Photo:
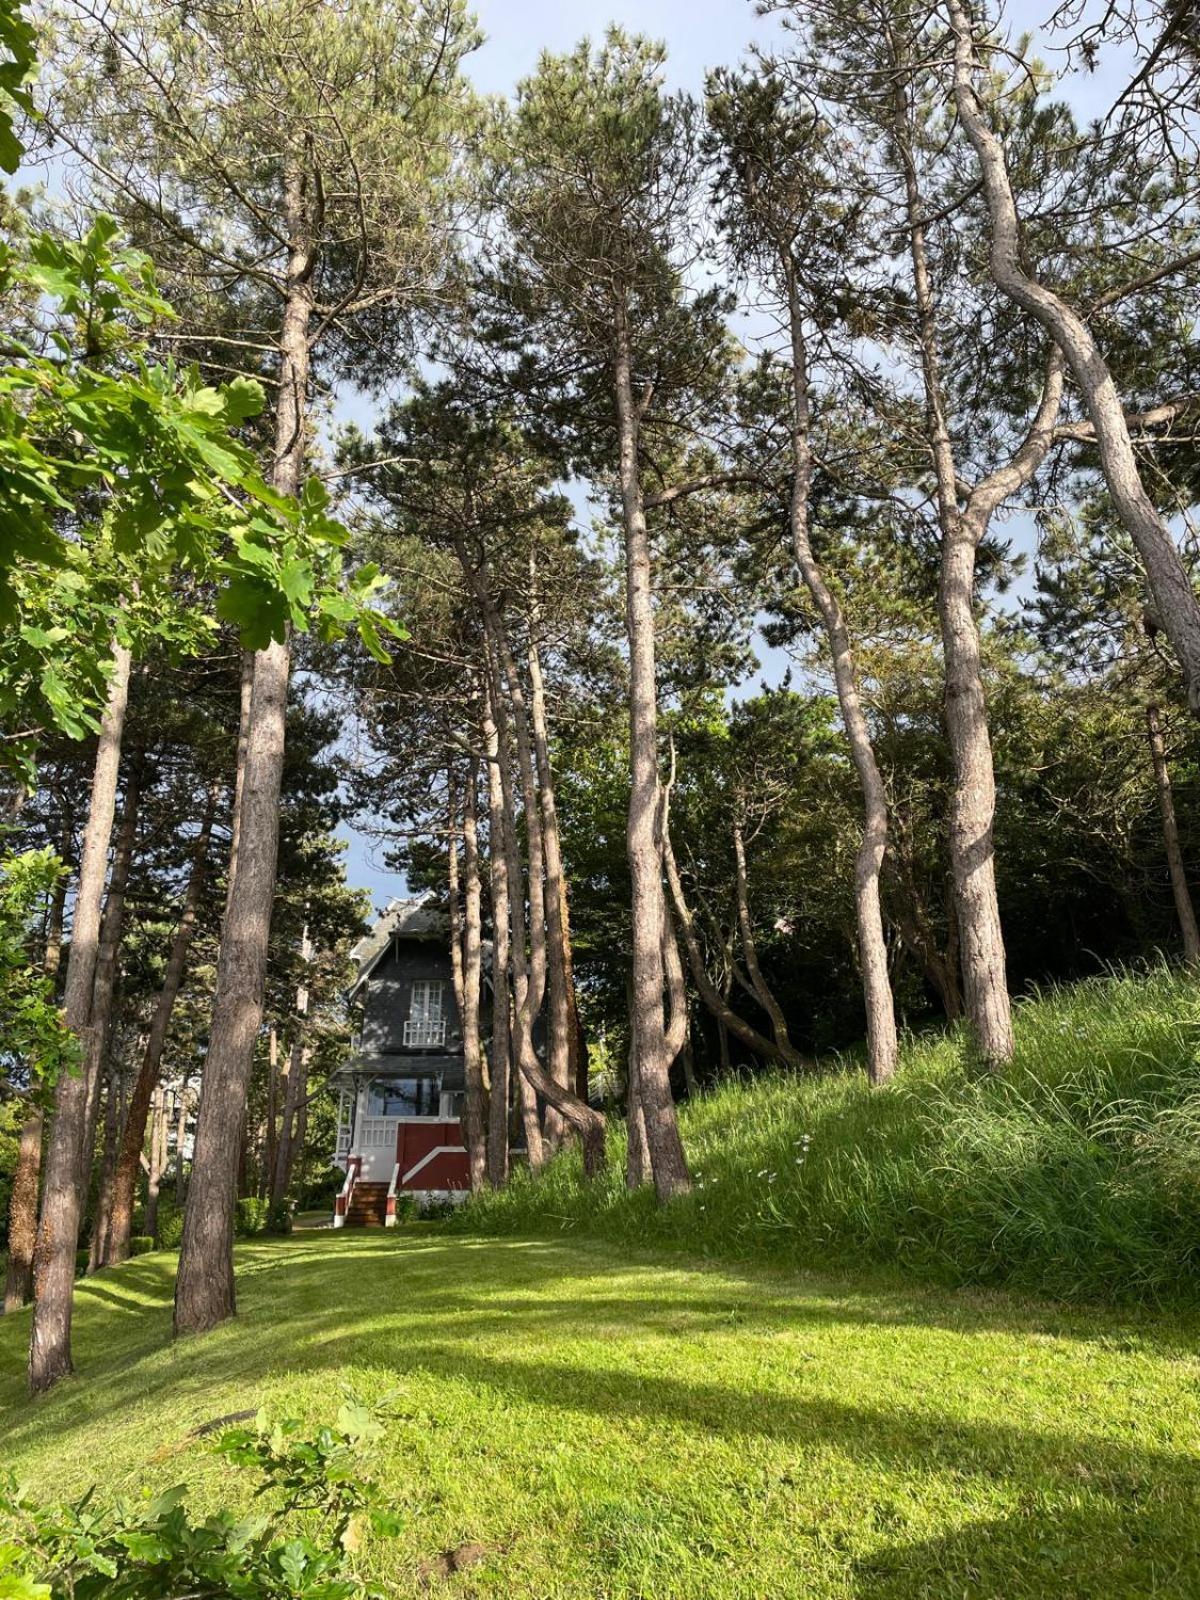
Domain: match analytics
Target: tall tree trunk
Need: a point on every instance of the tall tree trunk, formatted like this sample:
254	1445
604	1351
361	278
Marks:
270	1135
637	1156
96	1047
297	1079
652	1079
133	1134
204	1287
882	1042
1170	587
1184	909
974	796
158	1159
58	1228
530	979
23	1201
559	1009
500	1065
181	1116
112	1134
467	965
244	703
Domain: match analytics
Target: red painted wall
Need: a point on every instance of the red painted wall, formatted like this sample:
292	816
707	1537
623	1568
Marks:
446	1171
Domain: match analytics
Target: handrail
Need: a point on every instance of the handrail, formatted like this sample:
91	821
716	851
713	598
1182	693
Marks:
389	1215
342	1204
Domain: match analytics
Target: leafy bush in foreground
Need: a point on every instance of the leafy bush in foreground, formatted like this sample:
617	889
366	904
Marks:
1076	1176
149	1549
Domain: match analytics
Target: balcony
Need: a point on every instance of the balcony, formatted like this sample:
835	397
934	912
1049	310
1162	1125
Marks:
424	1033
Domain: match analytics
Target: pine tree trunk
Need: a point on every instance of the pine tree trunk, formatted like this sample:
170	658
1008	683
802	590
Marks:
58	1229
297	1081
133	1134
23	1201
972	806
882	1041
181	1116
1184	909
559	1009
637	1156
158	1142
667	1160
112	1134
1170	586
779	1031
467	965
204	1287
500	1064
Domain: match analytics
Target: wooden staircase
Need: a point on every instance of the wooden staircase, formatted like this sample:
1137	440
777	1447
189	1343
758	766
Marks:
368	1206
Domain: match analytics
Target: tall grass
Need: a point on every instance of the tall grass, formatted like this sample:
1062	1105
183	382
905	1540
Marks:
1077	1175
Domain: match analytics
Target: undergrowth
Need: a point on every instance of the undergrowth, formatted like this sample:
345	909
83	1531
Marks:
1076	1175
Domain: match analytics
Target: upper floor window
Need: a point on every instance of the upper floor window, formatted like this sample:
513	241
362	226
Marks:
426	1024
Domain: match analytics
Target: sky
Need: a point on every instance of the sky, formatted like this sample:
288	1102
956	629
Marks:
698	34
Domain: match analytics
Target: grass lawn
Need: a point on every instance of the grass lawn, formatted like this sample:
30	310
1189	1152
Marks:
600	1422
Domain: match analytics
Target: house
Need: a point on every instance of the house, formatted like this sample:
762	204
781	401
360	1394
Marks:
402	1088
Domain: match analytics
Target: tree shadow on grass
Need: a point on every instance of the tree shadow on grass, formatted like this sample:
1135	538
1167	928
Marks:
1098	1515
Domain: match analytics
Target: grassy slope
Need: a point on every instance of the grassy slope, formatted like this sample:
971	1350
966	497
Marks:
1077	1176
611	1424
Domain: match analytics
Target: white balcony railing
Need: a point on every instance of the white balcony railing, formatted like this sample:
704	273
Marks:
421	1033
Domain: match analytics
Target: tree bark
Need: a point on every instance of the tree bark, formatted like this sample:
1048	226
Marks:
559	1009
1170	587
667	1160
500	1066
637	1156
58	1229
973	802
1184	909
882	1041
133	1135
158	1159
112	1134
466	951
235	828
297	1081
23	1201
204	1287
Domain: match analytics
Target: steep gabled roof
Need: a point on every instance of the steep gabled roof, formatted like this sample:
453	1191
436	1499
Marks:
416	918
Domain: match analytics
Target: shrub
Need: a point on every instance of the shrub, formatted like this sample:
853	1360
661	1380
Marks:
279	1218
148	1548
406	1207
170	1226
141	1243
81	1262
251	1217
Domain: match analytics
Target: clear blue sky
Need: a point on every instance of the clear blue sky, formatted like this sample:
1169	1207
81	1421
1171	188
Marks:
699	34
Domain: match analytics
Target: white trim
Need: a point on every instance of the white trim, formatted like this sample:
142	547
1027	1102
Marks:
347	1189
441	1150
389	1215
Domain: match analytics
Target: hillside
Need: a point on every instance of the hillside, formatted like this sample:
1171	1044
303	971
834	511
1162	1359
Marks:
1077	1175
579	1421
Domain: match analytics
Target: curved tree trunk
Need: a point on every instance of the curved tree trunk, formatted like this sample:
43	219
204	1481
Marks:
762	993
23	1201
653	1083
204	1287
1170	587
727	1018
58	1229
882	1043
1184	909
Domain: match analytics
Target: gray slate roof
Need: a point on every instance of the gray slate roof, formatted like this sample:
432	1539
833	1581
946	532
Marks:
417	918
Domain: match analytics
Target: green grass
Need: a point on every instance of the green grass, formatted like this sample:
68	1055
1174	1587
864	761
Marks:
608	1423
1077	1176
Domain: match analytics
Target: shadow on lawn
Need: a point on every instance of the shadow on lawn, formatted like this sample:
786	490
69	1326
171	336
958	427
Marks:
1076	1495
